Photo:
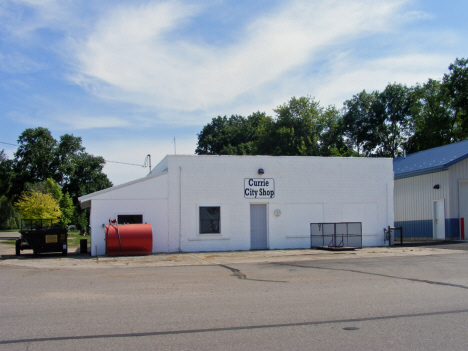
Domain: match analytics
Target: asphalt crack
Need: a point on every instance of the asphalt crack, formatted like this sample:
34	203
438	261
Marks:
228	329
378	274
237	273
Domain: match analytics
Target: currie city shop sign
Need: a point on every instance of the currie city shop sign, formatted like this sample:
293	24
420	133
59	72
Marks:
259	188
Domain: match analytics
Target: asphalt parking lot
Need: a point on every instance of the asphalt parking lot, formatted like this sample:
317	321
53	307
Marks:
398	298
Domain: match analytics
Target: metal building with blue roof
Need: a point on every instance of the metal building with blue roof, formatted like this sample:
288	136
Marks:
431	192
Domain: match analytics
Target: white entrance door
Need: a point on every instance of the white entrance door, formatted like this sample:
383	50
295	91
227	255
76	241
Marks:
258	227
438	223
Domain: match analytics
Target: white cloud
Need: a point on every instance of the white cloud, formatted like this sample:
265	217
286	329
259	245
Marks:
347	76
417	15
15	63
136	54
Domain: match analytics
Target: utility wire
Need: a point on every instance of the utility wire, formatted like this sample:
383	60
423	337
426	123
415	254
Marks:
123	163
1	142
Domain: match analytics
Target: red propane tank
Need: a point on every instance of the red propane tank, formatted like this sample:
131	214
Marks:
129	239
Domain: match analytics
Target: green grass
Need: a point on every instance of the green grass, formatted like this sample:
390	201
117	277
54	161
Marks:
8	242
74	238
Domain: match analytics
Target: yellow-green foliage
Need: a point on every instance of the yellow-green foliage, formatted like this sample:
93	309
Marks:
36	205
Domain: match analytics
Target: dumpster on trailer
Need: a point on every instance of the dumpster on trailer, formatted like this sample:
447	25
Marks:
42	235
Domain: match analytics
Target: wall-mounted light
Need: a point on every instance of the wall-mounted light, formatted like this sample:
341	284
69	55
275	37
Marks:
261	171
437	186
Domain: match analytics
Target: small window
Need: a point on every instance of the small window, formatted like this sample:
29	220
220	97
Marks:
130	219
210	220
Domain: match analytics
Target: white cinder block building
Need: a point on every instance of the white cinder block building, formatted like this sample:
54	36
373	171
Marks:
222	203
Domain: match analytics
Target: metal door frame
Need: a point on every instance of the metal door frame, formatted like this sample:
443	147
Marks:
267	223
434	202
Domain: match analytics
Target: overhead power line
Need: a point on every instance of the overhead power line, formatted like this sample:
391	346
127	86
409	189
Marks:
1	142
123	163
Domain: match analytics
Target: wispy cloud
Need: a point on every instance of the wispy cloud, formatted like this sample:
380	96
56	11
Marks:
144	71
135	54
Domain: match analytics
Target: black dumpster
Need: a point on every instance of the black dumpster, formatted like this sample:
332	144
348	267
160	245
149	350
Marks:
42	235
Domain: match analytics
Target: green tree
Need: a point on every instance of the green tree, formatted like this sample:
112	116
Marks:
9	216
434	120
36	205
379	124
33	159
64	201
68	150
87	176
331	137
294	132
67	208
393	113
41	159
456	83
230	136
6	173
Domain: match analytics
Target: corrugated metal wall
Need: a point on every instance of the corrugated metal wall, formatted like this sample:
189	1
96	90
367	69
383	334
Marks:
457	172
413	202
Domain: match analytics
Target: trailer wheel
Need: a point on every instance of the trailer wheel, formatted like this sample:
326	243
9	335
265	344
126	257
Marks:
18	247
64	252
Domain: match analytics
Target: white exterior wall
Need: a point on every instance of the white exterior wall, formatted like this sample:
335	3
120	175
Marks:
307	190
147	197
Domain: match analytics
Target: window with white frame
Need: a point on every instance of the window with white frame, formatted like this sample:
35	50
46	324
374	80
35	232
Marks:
210	219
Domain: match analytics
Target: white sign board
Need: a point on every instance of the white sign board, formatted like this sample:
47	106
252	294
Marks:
259	188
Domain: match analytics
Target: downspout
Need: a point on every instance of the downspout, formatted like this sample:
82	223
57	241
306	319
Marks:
180	209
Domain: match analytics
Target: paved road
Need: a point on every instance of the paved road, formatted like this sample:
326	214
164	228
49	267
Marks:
9	235
369	303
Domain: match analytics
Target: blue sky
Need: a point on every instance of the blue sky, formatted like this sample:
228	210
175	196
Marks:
130	76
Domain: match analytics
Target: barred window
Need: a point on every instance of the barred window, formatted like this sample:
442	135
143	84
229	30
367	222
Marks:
210	220
130	219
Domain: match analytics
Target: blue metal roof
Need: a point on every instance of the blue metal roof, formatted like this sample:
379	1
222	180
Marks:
430	161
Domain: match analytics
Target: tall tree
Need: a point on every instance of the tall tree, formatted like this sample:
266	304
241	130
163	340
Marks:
360	124
393	113
294	132
67	151
331	138
9	218
230	136
33	159
6	173
87	176
379	124
456	83
40	157
434	120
